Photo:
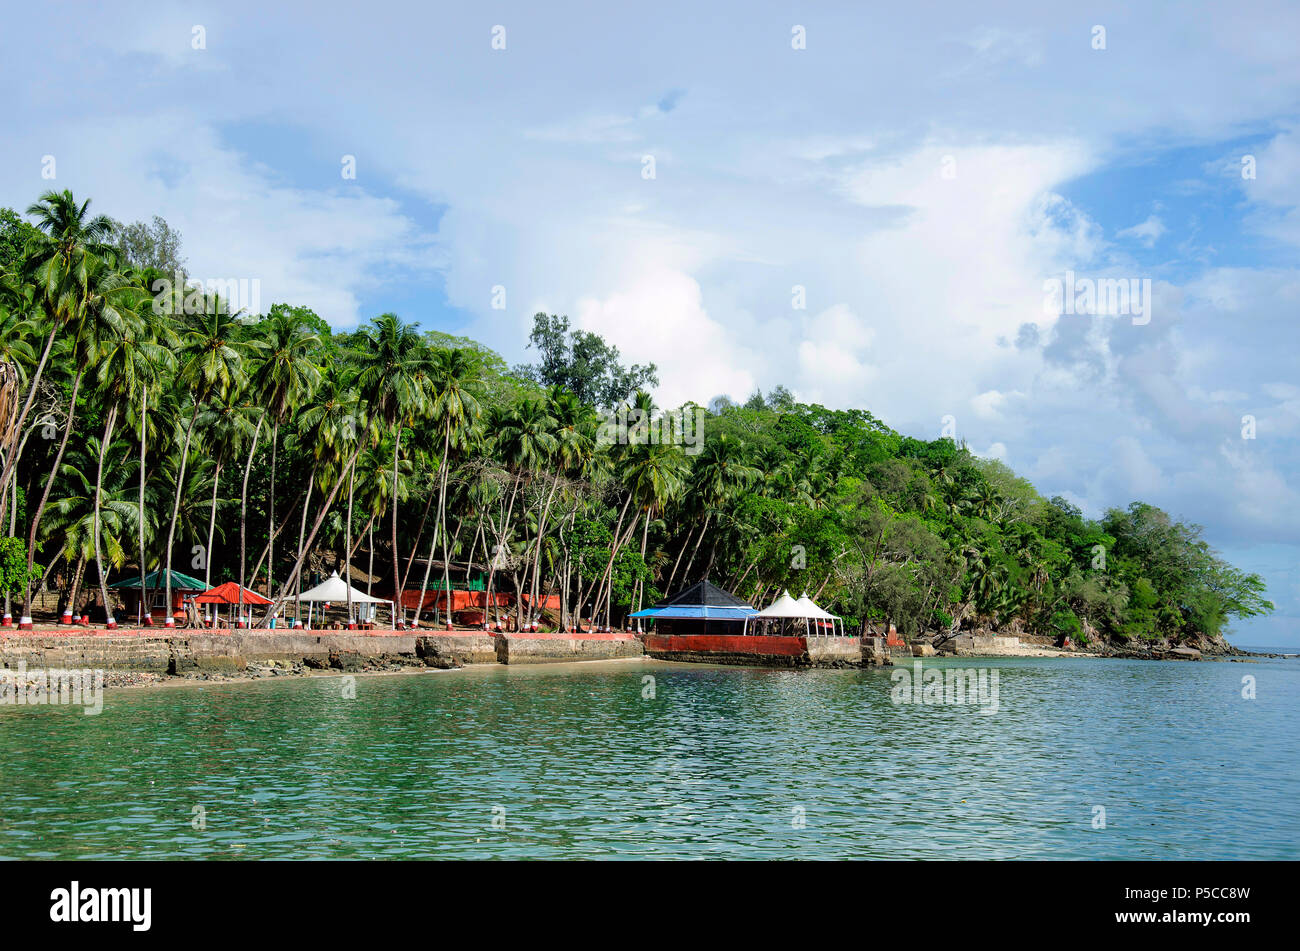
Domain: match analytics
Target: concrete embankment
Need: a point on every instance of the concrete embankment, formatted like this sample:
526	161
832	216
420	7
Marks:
755	650
220	652
565	648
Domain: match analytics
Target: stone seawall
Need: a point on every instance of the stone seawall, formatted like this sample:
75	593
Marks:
565	648
144	654
828	650
231	651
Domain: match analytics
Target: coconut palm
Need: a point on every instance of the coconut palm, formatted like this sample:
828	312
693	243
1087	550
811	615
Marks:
104	306
224	425
454	408
394	383
285	376
526	441
719	473
210	367
91	512
126	362
57	265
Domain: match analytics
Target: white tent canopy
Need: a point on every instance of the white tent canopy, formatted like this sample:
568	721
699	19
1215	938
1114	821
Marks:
805	604
786	607
334	589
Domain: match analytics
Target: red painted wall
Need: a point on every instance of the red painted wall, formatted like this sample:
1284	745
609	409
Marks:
727	644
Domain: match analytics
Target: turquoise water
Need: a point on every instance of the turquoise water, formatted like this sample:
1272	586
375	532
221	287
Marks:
573	761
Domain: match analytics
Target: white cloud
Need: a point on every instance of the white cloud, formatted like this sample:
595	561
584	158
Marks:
1147	232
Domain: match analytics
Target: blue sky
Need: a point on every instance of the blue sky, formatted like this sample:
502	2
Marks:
919	171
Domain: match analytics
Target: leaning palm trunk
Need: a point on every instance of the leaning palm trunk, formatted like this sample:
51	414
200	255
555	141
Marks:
266	549
9	428
176	508
640	585
144	438
270	520
13	527
45	495
361	537
419	536
212	527
501	542
442	519
609	566
13	518
370	550
99	495
243	514
397	580
75	591
686	576
347	547
311	484
678	560
609	580
315	528
11	457
537	555
424	586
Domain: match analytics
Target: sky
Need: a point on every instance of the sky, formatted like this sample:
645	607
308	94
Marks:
874	205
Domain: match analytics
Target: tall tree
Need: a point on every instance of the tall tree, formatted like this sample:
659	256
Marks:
394	383
210	366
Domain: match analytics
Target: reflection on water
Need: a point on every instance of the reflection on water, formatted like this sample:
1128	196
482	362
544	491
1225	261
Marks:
721	763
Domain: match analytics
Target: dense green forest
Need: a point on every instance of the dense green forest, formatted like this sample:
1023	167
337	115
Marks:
146	426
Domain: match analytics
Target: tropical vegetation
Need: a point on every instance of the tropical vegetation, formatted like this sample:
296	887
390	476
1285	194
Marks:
145	425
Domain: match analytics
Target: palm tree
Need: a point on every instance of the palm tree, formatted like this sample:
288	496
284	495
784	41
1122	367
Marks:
327	430
454	408
286	376
104	305
331	424
526	442
84	515
57	264
394	382
126	362
656	476
574	443
211	366
225	426
718	475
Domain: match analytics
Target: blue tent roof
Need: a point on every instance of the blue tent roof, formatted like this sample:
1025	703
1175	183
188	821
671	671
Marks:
701	601
697	612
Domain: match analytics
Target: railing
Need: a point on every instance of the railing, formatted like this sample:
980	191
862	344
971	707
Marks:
475	585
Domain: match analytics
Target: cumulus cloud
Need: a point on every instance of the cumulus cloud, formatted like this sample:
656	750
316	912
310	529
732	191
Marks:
920	205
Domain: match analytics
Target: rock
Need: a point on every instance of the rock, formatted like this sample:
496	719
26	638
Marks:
345	660
1184	653
923	650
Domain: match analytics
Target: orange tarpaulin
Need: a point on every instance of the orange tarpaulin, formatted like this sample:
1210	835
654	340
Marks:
228	593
